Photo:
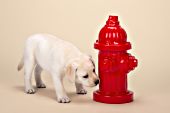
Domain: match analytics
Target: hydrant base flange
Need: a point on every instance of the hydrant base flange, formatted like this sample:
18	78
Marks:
113	99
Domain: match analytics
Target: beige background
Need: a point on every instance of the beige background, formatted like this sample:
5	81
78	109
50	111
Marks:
147	23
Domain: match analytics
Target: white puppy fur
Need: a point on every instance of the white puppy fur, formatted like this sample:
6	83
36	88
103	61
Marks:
59	58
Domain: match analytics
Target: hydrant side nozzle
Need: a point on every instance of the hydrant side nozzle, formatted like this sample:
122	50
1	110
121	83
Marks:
133	62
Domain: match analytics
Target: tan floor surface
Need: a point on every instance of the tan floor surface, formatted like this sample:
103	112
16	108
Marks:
14	100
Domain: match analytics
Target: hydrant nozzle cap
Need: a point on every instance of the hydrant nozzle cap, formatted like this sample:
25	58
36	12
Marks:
112	20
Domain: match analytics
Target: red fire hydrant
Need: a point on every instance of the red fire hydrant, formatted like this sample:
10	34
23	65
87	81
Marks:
114	64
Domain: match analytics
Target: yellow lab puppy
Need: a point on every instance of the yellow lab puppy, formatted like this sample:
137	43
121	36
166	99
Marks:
59	58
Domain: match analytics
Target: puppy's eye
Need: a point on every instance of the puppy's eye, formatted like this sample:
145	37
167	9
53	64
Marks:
86	76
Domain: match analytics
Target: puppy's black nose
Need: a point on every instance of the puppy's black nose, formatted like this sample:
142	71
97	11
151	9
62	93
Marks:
96	82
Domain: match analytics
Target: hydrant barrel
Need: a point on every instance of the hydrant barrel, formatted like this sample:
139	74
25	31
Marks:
114	64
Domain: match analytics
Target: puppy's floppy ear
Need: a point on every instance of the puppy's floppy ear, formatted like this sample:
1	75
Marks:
89	56
71	71
92	62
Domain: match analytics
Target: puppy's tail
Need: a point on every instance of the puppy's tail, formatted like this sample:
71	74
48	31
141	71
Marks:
21	64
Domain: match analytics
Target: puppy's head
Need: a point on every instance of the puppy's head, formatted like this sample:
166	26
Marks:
82	70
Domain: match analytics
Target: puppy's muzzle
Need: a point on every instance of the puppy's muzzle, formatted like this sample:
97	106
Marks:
96	82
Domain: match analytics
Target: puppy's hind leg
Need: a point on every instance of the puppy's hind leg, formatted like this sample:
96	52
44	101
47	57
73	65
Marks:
37	72
29	64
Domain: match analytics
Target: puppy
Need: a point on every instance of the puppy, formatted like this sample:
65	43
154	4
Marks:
59	58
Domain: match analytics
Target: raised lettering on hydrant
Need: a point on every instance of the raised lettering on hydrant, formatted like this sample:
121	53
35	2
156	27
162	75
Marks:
114	64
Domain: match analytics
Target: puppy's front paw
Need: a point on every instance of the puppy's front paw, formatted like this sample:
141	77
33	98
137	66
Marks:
64	99
82	92
41	85
30	91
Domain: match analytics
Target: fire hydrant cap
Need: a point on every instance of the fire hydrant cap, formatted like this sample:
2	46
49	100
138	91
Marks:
112	36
